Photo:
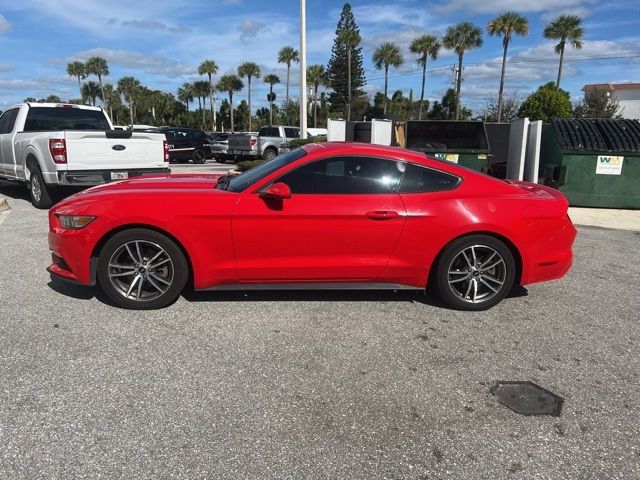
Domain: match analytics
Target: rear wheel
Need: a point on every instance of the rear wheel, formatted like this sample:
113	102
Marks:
221	159
475	272
142	269
199	156
41	195
269	154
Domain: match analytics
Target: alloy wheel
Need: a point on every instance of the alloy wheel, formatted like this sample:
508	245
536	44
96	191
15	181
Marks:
141	270
36	191
477	274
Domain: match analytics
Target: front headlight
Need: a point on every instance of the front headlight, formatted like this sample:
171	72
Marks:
73	222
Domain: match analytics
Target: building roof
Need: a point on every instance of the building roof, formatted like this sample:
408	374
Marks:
611	86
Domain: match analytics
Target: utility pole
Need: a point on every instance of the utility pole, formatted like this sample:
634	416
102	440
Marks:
303	69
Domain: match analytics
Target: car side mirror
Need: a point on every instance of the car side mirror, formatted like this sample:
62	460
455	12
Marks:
279	190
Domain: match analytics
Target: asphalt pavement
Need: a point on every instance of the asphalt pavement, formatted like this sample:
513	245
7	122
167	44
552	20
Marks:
316	384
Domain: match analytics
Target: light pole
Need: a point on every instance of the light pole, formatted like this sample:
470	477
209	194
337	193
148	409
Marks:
303	69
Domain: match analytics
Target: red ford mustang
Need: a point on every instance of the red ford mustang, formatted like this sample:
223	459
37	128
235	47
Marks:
333	215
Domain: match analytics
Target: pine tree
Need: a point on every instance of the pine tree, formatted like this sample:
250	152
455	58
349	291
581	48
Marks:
338	67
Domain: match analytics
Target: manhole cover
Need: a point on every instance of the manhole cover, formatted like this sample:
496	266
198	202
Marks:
528	398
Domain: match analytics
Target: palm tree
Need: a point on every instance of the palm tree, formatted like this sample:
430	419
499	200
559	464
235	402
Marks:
566	28
425	46
129	87
230	84
505	25
387	55
210	68
350	38
110	98
185	94
99	67
249	70
316	76
201	90
271	79
287	55
91	90
78	70
460	38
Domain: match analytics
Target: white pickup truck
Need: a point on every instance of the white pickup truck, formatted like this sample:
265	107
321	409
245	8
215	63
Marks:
50	145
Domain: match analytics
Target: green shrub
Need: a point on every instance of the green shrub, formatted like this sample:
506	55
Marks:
298	142
248	165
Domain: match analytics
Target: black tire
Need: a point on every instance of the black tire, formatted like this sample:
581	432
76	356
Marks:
269	154
199	156
220	159
458	281
41	195
113	285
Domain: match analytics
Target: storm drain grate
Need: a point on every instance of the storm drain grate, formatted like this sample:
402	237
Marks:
527	398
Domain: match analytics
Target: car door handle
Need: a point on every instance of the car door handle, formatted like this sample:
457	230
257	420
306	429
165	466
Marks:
382	214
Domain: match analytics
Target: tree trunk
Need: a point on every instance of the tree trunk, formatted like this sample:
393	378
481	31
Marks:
386	81
101	90
187	122
504	67
80	89
560	65
213	111
204	109
231	109
424	77
249	81
287	96
131	111
315	106
348	84
271	104
458	86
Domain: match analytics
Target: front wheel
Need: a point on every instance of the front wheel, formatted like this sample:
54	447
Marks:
475	272
41	194
142	269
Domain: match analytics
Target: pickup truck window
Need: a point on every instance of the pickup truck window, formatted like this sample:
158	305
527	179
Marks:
292	132
42	119
7	120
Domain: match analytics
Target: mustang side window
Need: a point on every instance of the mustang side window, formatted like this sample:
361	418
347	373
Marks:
346	175
422	179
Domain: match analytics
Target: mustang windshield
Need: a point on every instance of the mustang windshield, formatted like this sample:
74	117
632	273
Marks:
241	182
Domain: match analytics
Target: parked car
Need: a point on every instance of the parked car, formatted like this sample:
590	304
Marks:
331	215
187	144
264	145
219	146
51	145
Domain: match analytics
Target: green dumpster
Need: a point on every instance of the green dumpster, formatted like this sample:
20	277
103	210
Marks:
595	163
461	142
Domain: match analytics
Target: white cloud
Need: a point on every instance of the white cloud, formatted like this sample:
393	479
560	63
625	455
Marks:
5	68
250	29
497	6
4	24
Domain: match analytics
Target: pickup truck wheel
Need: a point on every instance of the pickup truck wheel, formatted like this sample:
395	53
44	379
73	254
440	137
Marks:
269	154
199	156
221	160
41	195
142	269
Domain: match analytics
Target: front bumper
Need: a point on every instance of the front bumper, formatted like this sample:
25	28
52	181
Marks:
98	177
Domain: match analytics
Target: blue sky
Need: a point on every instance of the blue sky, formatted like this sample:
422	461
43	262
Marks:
162	42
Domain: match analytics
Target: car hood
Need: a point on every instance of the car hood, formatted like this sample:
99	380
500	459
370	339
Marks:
162	185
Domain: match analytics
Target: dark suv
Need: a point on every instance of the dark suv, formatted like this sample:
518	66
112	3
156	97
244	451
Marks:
187	144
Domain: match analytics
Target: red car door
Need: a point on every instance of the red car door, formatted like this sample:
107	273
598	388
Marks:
342	223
